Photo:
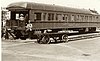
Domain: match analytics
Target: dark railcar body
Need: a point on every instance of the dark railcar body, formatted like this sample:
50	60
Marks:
43	17
31	8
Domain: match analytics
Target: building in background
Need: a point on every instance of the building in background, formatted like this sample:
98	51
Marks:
5	15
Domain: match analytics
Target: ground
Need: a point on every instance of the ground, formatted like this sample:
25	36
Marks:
79	50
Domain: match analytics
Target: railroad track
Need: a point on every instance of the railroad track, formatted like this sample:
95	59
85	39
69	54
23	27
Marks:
83	36
72	37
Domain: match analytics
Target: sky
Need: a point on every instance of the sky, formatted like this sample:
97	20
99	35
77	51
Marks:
86	4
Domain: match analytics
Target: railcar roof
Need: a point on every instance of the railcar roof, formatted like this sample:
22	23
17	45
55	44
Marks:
30	5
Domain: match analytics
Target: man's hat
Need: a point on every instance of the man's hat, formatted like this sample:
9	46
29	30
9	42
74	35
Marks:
21	15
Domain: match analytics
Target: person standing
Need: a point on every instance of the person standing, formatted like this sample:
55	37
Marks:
22	19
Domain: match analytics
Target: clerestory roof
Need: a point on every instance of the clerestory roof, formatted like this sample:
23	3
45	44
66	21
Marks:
38	6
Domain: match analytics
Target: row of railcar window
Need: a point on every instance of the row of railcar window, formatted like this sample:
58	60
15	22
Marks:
64	17
45	16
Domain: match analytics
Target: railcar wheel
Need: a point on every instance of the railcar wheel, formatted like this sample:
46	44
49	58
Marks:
65	38
45	40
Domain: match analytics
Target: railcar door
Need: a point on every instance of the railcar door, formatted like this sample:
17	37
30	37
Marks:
18	18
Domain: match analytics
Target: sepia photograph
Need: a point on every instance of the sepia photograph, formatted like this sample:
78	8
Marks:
50	30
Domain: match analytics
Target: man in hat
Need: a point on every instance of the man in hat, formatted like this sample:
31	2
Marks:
21	17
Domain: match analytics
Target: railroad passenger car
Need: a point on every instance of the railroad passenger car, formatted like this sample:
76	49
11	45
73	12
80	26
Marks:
43	21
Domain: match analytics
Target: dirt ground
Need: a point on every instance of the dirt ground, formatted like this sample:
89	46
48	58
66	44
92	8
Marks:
29	50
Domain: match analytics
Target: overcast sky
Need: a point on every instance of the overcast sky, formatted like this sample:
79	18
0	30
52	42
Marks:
92	4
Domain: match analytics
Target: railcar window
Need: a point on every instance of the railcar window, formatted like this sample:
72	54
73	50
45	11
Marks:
13	15
56	17
59	17
44	16
90	17
69	17
37	16
86	17
65	17
72	18
8	15
50	16
17	16
93	18
77	17
81	17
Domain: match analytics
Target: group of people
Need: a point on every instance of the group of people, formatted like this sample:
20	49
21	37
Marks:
22	18
28	24
27	21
